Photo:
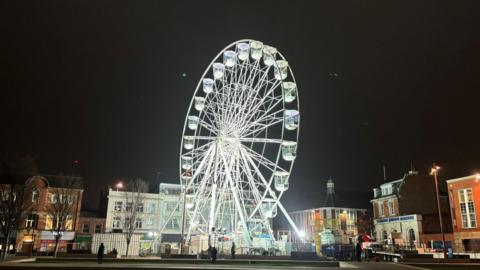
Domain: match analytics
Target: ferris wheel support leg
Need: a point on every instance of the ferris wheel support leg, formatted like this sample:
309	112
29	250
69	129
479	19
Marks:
267	185
202	188
246	233
287	216
214	193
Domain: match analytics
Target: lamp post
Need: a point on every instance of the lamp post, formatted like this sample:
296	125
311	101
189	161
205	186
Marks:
119	185
434	172
182	240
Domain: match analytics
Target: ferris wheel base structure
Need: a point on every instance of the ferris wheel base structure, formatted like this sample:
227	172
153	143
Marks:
238	147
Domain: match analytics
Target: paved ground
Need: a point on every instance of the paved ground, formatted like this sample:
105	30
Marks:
128	266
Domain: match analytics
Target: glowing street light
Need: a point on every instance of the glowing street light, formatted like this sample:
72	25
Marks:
434	172
119	185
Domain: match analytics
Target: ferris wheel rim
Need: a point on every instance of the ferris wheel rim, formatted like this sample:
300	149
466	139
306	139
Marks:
268	180
198	88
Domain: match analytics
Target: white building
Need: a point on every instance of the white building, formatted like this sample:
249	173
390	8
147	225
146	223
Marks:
153	215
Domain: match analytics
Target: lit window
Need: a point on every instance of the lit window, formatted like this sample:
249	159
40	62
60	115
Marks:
49	222
467	208
69	223
31	221
118	206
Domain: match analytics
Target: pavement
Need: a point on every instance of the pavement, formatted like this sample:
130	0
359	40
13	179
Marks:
128	266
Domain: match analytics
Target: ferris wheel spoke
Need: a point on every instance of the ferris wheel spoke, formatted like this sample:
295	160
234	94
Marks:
260	140
235	196
257	196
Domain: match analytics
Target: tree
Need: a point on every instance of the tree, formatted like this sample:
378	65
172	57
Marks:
134	197
14	170
62	207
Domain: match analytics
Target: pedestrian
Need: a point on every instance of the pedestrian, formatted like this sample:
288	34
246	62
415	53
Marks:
209	251
114	252
358	248
101	250
214	254
233	251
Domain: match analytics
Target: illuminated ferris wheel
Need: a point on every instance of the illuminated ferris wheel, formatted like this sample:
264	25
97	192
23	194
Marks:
239	143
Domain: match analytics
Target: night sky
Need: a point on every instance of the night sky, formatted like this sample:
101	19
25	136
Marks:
102	82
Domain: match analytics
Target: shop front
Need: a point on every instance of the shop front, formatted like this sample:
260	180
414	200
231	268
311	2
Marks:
47	241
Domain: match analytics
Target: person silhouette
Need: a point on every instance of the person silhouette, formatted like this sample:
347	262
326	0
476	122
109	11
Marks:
101	250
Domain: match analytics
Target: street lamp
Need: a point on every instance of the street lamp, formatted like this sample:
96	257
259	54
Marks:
434	172
119	185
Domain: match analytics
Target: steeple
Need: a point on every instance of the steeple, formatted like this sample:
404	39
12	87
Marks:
330	198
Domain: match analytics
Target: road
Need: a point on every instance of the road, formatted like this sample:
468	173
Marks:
131	266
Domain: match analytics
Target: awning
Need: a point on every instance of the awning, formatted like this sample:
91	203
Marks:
49	235
83	238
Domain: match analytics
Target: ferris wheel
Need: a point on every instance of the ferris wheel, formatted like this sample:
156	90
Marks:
239	143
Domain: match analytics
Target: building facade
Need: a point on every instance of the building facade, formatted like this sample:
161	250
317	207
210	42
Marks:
405	212
464	196
159	217
91	222
37	231
327	225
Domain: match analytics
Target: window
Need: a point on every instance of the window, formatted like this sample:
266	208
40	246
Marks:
85	228
69	223
53	198
35	194
411	236
31	221
98	228
151	208
129	206
381	211
149	222
127	223
138	223
171	206
140	207
71	199
172	224
467	208
391	210
118	206
116	222
49	222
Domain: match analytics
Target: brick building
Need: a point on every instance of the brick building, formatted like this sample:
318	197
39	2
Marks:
35	232
91	222
464	196
405	212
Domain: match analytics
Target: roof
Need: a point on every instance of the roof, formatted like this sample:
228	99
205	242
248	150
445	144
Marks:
58	181
65	181
464	178
91	214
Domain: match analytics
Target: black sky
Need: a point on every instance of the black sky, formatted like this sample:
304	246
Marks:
101	82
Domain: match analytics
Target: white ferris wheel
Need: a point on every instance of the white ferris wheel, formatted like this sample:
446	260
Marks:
239	143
